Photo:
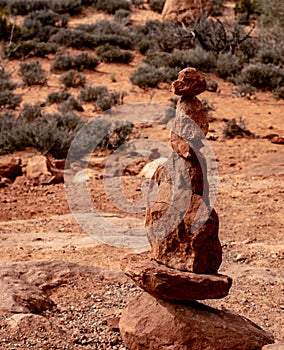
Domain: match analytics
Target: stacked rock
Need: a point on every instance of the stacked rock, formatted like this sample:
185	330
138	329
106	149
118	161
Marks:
186	253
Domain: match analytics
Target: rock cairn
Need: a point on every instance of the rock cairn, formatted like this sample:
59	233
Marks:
182	267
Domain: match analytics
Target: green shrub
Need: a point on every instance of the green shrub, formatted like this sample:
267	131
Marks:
73	79
110	32
122	17
111	6
57	97
30	48
32	73
62	62
9	100
157	5
262	76
146	76
70	105
6	82
161	36
85	61
91	93
109	53
228	65
234	128
218	8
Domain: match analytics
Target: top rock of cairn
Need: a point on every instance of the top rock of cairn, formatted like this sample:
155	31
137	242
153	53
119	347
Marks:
189	83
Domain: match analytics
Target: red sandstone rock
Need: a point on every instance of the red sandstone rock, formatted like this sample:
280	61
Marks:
183	233
11	168
153	324
189	83
171	284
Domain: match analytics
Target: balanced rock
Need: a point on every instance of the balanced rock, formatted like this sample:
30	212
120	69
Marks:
154	324
189	83
172	284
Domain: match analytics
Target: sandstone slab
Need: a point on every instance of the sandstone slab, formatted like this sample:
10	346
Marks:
153	324
171	284
275	346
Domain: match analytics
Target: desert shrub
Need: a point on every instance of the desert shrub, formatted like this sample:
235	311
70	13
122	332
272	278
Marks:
157	5
71	7
6	82
228	65
218	8
122	17
9	99
23	7
57	97
85	61
207	106
73	79
236	128
161	36
246	8
108	32
29	48
91	93
109	53
5	26
77	39
262	76
217	36
72	104
197	58
32	73
270	14
31	112
111	6
270	48
7	123
279	92
62	62
146	76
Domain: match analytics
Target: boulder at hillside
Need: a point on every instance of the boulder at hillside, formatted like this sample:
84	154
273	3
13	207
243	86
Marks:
153	324
186	11
10	168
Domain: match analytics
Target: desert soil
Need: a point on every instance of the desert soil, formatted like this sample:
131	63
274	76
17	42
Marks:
36	222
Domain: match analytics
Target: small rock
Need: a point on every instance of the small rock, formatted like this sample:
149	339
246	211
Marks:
189	83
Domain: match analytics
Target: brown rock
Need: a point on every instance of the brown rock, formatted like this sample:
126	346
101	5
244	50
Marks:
182	229
191	121
187	11
276	346
153	324
189	83
20	296
11	168
171	284
37	170
23	322
279	140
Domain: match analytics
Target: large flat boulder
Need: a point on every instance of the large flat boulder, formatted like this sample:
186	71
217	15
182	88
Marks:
153	324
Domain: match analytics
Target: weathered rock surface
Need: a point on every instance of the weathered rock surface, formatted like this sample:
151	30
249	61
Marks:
189	83
10	168
275	346
191	121
37	171
172	284
153	324
21	322
187	239
187	11
20	296
24	285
